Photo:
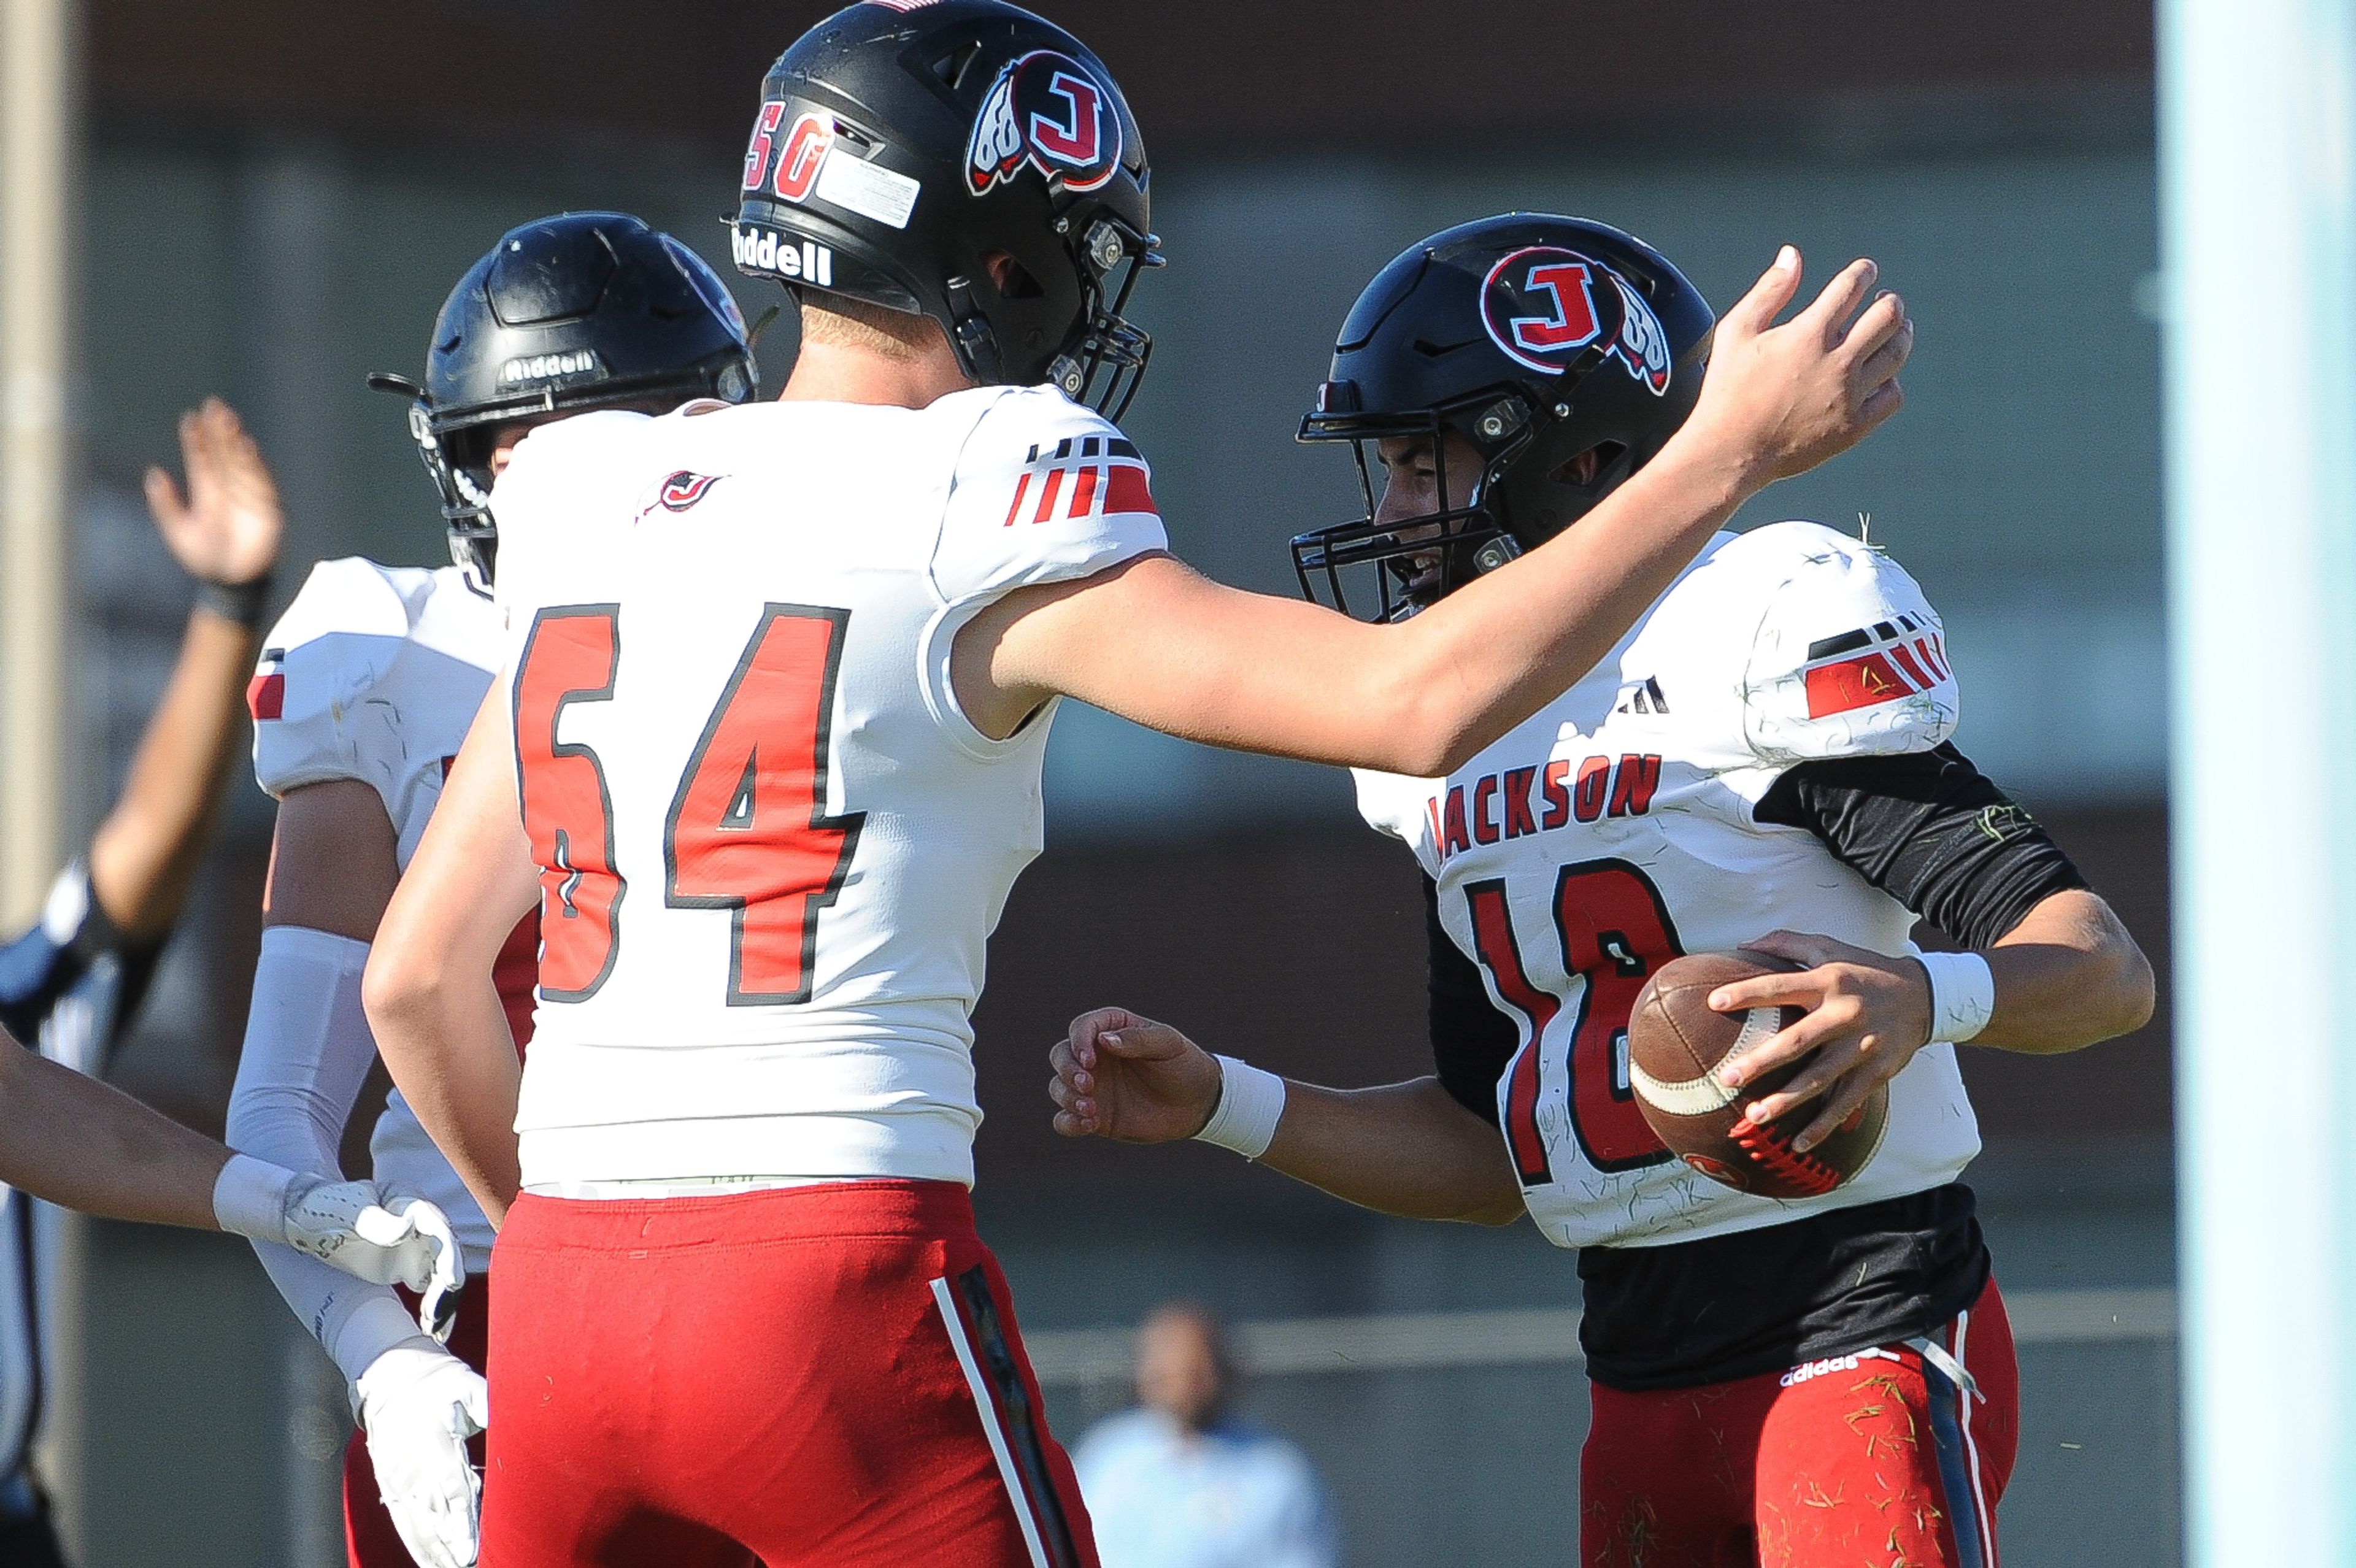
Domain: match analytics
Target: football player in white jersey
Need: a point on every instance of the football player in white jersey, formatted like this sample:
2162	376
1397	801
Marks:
366	689
767	760
1764	761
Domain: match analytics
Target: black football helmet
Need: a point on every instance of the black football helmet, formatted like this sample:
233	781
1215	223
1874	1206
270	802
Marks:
585	310
900	146
1538	340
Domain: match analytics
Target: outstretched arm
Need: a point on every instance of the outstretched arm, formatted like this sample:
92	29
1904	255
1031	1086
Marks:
429	991
1401	1148
225	532
81	1144
1153	641
71	1140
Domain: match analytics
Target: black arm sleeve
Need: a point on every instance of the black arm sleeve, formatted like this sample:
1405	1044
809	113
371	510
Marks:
1933	832
1472	1041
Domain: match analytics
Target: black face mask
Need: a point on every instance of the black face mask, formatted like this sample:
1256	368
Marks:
1462	541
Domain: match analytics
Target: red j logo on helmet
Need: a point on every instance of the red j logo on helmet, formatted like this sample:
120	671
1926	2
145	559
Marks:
1546	306
1047	111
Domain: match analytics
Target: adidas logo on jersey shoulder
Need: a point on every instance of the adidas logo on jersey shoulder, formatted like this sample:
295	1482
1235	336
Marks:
1642	696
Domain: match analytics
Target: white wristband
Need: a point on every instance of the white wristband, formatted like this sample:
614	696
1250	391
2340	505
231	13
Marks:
250	1198
1251	1100
1963	994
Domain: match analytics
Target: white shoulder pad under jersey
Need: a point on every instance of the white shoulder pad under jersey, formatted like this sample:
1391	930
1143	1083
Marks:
374	673
1044	491
1848	658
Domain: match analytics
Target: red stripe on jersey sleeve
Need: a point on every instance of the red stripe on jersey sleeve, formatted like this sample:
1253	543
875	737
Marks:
1084	494
1047	496
265	697
1853	683
1913	671
1022	489
1128	492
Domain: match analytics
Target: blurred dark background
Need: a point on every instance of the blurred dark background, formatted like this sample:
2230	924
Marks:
276	196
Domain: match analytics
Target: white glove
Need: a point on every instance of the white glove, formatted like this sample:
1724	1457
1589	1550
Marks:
419	1403
379	1233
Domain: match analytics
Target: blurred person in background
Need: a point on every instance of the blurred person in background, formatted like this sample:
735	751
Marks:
1182	1482
1764	763
72	984
366	689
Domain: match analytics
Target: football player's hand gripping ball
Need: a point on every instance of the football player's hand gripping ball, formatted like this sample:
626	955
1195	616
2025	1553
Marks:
419	1404
1119	1076
1868	1015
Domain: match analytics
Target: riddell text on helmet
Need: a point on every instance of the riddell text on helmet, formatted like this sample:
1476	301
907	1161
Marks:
765	251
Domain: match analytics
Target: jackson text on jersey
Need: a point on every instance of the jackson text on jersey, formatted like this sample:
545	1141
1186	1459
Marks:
1542	797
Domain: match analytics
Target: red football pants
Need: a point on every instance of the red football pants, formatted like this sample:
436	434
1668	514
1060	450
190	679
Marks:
370	1540
811	1376
1875	1458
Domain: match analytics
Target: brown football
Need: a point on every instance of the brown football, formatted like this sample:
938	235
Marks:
1675	1044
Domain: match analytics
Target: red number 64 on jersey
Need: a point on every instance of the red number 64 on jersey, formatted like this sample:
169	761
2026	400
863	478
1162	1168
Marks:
747	830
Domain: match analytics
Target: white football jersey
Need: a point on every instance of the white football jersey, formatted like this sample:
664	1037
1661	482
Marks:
772	846
1613	831
374	673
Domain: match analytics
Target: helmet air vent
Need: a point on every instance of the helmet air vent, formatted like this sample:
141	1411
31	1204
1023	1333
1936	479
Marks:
951	66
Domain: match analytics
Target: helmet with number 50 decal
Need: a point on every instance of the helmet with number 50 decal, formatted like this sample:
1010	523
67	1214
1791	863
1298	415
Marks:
1565	352
585	310
967	161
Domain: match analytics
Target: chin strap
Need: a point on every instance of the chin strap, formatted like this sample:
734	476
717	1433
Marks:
753	338
976	345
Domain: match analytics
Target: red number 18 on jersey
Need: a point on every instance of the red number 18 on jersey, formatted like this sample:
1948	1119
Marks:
1614	931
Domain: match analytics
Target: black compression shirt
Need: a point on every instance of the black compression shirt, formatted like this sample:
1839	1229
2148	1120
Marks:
1933	832
1760	1301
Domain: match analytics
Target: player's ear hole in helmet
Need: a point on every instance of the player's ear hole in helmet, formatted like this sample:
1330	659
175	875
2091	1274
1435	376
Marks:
581	310
1540	360
967	162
